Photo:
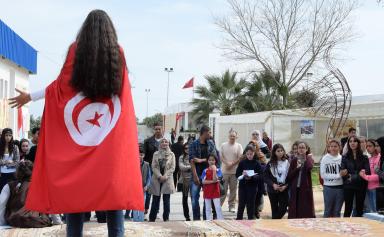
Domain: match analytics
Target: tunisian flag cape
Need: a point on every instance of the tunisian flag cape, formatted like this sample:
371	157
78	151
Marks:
87	158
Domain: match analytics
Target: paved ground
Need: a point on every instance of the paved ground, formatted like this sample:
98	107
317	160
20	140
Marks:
177	207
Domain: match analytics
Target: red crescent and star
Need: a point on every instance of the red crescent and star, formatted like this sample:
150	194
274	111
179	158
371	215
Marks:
95	120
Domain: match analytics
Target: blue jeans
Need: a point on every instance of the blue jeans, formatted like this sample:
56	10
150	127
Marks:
371	194
115	223
138	216
333	201
195	197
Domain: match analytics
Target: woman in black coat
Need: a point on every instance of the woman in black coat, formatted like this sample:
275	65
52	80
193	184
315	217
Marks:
275	176
355	187
248	185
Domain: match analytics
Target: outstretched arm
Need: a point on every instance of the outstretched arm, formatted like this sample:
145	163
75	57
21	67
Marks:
24	97
38	95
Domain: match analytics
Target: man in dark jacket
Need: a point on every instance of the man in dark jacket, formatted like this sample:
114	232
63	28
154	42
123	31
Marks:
177	149
343	141
199	150
151	145
34	141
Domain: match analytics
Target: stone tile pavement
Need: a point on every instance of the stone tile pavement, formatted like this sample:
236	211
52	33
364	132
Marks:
177	207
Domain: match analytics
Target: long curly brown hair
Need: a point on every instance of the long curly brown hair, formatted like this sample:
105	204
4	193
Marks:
3	144
98	62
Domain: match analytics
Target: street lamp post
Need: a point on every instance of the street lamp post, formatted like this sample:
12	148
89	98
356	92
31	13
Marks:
168	70
147	91
308	75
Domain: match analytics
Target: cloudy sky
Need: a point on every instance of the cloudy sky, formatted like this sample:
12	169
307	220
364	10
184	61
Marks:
171	33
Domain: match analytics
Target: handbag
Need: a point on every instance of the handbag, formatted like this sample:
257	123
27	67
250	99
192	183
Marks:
222	188
179	187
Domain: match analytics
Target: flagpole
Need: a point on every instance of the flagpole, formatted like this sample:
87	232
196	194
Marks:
193	88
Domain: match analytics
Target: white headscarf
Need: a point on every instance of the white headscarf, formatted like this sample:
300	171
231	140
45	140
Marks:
163	152
259	140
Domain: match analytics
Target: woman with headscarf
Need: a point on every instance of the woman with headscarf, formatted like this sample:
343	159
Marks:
163	166
267	140
263	147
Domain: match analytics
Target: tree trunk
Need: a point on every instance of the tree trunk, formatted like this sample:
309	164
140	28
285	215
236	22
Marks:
285	100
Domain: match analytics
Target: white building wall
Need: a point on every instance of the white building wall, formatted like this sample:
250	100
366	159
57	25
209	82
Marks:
284	126
11	77
186	121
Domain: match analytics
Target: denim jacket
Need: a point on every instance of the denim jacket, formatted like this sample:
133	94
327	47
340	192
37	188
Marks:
195	149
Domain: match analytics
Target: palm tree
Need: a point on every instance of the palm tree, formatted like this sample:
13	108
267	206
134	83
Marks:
304	98
223	94
263	93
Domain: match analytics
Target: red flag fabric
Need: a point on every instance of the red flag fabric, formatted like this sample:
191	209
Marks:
179	115
87	157
20	129
189	83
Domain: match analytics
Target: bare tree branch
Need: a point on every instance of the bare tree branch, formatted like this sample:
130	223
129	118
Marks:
286	36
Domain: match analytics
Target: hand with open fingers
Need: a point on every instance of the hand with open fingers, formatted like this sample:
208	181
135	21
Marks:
20	100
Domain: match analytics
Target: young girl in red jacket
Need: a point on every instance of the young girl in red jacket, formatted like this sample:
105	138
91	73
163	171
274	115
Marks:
211	188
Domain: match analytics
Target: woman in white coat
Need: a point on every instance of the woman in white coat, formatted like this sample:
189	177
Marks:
163	166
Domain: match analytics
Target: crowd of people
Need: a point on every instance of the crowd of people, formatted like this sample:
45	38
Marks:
352	173
16	161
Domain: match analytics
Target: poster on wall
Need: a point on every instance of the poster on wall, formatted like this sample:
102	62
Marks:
307	129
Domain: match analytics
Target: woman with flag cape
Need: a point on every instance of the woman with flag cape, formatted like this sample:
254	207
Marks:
87	158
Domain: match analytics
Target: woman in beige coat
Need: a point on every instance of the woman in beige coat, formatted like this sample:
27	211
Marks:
163	166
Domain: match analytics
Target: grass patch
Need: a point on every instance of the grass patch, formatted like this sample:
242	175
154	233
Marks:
315	175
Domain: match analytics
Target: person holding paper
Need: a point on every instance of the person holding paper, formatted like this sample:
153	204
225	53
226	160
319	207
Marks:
248	174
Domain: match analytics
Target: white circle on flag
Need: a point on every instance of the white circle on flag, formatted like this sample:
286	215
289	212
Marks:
93	122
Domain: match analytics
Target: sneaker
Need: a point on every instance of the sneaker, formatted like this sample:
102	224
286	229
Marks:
56	220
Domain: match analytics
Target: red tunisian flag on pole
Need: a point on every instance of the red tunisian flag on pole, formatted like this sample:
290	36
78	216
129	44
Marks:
20	129
189	83
87	157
